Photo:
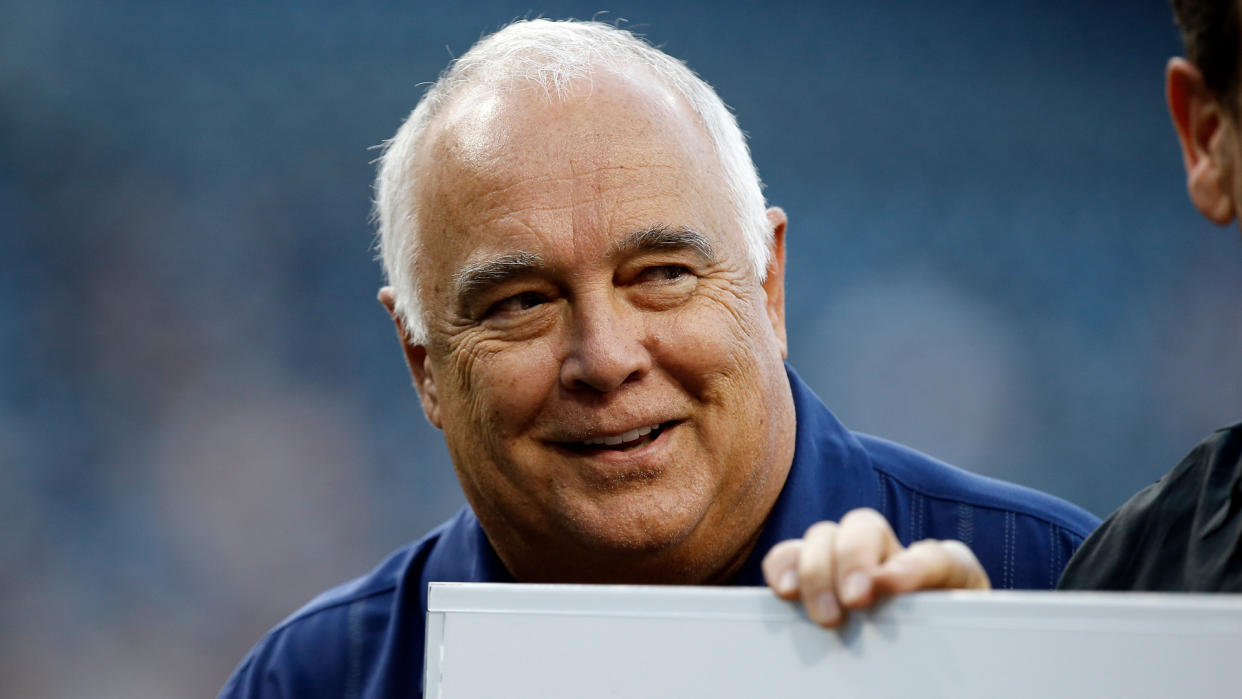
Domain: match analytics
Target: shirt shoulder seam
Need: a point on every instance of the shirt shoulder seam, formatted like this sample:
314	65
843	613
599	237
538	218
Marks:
966	499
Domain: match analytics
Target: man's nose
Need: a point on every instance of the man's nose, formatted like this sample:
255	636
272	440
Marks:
606	348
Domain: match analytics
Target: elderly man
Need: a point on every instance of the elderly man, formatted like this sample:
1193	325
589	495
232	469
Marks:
590	296
1184	532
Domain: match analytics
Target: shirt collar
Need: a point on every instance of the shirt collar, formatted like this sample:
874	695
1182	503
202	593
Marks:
463	553
831	474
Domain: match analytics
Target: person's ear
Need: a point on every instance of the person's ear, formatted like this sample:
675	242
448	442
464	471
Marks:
774	282
416	359
1207	133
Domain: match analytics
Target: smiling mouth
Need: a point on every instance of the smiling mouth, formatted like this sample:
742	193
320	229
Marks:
634	439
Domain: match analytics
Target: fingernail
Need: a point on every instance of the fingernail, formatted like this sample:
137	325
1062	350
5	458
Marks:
855	587
827	609
788	582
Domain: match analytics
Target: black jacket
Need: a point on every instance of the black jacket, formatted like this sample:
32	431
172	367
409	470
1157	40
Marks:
1183	532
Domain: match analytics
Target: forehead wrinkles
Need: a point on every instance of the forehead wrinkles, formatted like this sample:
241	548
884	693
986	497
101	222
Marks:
615	158
580	198
520	197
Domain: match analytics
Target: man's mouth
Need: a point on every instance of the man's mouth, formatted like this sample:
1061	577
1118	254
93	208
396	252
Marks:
632	439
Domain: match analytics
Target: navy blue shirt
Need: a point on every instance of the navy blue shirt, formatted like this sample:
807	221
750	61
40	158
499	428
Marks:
365	638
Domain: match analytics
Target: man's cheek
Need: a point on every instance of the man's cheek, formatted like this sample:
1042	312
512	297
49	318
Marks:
509	387
473	362
701	335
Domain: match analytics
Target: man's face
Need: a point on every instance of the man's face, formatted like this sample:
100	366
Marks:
605	367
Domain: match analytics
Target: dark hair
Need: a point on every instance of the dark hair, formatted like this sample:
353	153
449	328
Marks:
1210	31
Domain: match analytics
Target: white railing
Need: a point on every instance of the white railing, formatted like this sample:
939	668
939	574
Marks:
552	641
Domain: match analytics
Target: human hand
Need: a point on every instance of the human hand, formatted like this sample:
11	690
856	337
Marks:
838	566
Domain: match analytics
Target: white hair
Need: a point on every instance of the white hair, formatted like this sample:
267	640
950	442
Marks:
551	55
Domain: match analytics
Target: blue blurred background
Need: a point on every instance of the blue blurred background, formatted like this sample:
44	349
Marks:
205	418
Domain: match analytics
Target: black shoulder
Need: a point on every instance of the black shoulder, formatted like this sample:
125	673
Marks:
1156	539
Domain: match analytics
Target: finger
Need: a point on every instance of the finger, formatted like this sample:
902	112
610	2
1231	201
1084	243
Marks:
780	568
931	565
817	574
864	540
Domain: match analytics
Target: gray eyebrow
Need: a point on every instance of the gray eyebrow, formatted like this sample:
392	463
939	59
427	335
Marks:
476	276
666	238
479	275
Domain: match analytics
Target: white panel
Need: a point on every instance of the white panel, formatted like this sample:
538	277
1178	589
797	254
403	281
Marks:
553	641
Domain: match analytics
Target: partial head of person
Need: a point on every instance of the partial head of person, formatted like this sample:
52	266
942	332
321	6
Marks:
589	294
1203	95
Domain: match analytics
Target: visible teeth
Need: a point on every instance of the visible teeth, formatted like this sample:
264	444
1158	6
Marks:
621	438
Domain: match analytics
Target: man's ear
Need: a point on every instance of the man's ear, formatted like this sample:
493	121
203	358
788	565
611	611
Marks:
774	282
415	359
1207	133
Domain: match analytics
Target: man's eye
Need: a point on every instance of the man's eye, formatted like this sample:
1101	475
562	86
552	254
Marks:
518	302
664	273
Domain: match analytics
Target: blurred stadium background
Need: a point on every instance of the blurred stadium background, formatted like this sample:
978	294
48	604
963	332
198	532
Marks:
205	418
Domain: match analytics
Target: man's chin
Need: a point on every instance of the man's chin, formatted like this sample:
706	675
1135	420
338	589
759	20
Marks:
645	547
